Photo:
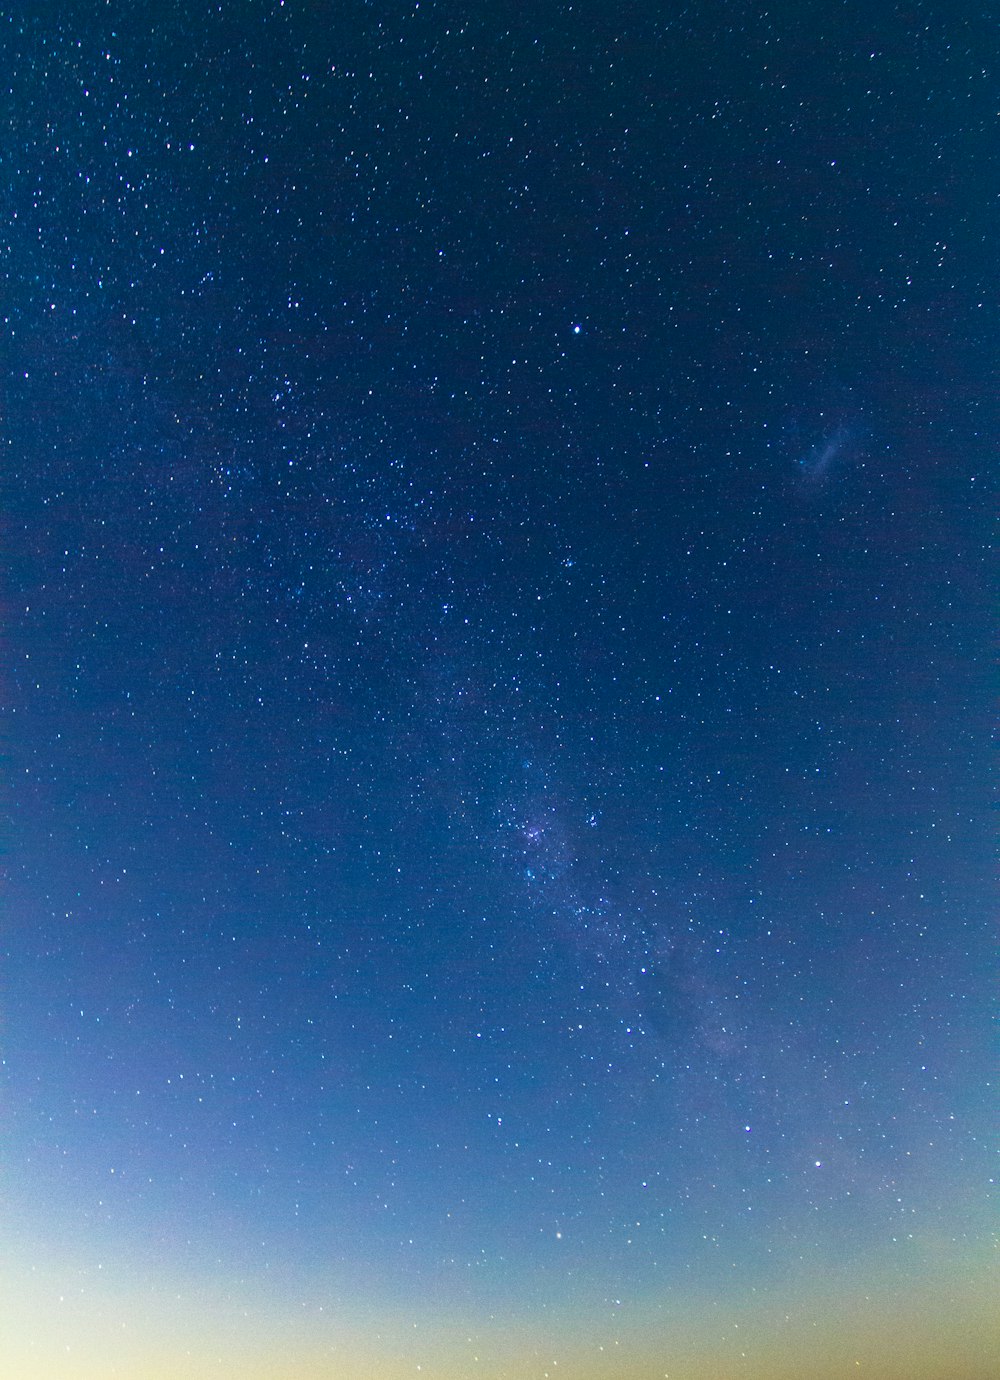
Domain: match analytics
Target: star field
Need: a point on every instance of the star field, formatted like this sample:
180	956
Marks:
496	688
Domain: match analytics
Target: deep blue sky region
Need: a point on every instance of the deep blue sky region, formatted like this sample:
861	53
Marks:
496	687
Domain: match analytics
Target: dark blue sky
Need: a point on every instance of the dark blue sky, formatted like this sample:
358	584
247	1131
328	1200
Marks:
497	688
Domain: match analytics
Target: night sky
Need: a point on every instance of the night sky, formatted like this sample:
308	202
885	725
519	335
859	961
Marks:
496	685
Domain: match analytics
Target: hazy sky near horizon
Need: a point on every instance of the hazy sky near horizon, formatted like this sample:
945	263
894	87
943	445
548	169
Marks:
496	687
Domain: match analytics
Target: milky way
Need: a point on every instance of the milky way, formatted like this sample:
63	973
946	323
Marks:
496	691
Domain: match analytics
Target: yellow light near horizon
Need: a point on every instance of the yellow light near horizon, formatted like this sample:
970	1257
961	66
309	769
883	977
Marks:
65	1328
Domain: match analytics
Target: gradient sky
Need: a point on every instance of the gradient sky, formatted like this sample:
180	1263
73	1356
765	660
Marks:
496	687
